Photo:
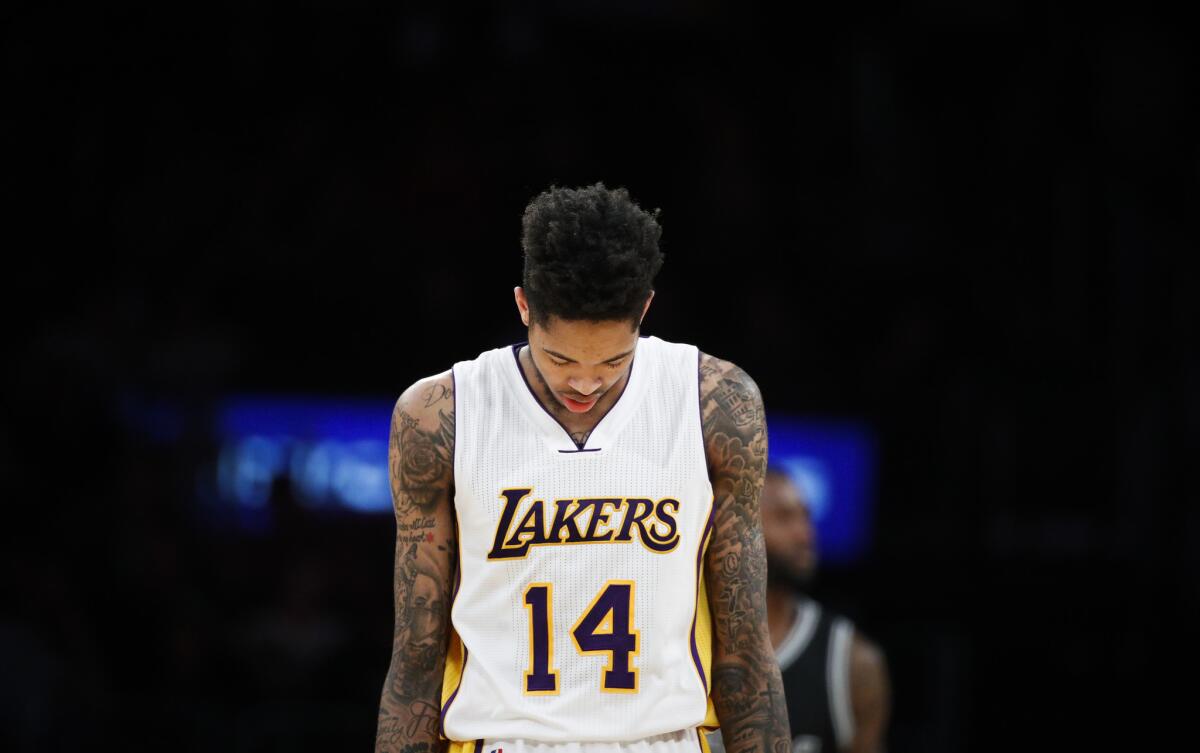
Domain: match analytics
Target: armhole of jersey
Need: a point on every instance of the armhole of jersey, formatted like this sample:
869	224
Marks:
700	408
701	637
702	632
456	652
838	679
454	450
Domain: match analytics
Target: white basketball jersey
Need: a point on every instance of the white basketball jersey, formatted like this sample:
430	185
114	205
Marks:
579	613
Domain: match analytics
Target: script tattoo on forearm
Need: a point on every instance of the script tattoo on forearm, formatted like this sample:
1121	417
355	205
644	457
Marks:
420	460
746	687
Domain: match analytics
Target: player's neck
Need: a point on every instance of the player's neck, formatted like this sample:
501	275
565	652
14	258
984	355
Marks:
781	612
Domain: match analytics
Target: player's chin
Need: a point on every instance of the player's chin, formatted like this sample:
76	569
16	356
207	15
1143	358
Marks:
788	580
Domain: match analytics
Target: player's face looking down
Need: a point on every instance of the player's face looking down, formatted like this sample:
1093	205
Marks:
788	533
579	362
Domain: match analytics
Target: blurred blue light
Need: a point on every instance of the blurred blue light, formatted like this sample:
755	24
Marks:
335	453
834	463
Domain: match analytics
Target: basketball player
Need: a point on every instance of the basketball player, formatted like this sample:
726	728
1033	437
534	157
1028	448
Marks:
579	560
836	681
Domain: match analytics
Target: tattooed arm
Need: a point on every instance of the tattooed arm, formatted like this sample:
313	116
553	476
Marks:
746	688
421	470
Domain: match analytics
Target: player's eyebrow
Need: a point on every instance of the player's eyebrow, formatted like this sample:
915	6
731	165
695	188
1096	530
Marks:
561	357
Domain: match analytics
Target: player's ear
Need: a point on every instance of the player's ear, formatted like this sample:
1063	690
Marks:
523	304
646	307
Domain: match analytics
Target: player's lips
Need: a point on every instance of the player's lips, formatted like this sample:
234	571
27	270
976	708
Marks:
579	406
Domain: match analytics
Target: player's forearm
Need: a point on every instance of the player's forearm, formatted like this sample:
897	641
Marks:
748	696
408	711
747	690
409	708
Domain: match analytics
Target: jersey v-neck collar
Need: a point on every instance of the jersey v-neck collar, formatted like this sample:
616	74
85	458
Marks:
553	430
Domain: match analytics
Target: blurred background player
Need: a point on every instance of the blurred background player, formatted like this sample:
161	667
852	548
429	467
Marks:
835	679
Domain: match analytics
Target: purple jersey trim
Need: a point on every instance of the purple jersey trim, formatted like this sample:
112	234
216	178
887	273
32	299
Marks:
466	654
454	449
696	611
457	570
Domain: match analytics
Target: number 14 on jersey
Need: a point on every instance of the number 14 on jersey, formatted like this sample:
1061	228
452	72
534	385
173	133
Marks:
606	627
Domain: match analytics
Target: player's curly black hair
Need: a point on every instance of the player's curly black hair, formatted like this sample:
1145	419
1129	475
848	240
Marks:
590	254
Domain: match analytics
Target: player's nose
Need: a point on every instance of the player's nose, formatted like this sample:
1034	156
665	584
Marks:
585	386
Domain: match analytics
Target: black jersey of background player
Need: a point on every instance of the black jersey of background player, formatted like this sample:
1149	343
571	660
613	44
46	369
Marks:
814	659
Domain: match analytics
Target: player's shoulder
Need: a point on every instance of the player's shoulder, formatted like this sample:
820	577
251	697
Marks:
867	660
716	373
865	654
728	395
428	402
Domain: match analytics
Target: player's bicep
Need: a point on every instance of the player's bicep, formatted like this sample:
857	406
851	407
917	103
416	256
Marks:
421	449
421	473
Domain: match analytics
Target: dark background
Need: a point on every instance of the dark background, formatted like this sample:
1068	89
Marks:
970	228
